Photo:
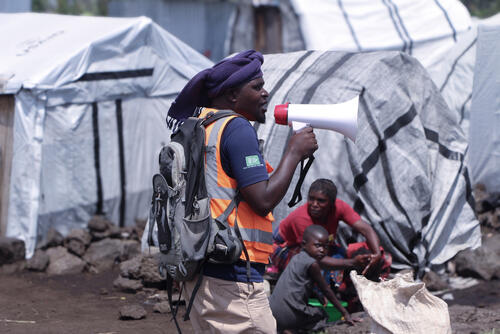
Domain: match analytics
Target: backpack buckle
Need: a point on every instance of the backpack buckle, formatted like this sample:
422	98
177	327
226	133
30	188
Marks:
196	207
207	116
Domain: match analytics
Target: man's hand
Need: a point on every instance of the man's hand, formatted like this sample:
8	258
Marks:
374	258
303	142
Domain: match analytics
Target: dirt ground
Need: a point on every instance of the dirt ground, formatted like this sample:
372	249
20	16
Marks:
88	304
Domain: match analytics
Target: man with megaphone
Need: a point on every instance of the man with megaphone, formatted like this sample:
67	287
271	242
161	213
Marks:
236	84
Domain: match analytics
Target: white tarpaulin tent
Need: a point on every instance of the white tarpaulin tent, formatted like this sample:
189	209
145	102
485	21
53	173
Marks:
91	96
425	29
439	33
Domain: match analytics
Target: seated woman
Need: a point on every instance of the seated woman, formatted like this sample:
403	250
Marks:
325	209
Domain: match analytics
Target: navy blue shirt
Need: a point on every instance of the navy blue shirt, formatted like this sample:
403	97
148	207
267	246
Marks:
241	160
240	155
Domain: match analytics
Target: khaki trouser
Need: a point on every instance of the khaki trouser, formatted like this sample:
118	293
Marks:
230	307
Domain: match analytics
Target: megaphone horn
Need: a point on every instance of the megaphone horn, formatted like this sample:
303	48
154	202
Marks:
340	117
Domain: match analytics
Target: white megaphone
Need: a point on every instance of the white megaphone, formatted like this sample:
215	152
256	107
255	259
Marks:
340	117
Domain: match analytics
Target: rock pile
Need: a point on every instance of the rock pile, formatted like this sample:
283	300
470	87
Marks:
12	252
487	208
95	249
99	247
483	262
139	272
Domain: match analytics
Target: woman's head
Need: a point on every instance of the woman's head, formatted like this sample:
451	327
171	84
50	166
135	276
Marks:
321	199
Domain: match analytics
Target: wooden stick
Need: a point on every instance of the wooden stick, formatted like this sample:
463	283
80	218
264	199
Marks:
20	321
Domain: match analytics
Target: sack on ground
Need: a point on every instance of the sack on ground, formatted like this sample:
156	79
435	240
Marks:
401	305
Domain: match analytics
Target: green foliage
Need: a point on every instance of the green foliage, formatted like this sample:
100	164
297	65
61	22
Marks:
493	331
482	8
38	5
72	7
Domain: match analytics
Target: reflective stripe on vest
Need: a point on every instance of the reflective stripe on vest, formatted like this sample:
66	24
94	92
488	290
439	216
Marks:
256	230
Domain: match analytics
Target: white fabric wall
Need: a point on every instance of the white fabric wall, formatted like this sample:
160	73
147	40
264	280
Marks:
425	29
69	176
484	156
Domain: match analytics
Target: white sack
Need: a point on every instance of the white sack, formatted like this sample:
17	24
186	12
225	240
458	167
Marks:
401	305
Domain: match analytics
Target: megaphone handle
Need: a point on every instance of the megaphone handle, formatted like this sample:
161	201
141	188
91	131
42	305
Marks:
297	196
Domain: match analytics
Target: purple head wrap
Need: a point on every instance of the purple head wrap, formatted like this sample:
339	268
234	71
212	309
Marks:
210	83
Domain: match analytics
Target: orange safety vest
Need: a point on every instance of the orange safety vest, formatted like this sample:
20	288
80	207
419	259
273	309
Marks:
257	231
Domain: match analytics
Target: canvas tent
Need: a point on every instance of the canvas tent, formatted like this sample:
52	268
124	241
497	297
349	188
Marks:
83	104
424	29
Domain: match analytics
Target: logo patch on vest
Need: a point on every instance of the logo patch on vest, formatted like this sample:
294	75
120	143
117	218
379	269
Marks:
252	161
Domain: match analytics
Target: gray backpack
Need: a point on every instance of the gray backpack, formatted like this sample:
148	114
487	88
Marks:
187	234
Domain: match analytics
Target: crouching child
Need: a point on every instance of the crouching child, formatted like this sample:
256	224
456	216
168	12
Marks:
289	300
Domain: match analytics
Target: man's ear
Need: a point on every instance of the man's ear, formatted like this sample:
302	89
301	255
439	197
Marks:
232	94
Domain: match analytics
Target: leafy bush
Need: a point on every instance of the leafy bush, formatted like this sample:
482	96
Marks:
482	8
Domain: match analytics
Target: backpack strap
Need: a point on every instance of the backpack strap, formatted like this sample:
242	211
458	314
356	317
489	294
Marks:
191	299
213	117
153	214
236	200
169	286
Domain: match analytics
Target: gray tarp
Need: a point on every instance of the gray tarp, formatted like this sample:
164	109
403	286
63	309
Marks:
406	173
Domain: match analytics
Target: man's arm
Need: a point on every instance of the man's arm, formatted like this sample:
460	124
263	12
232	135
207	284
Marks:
265	195
371	239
